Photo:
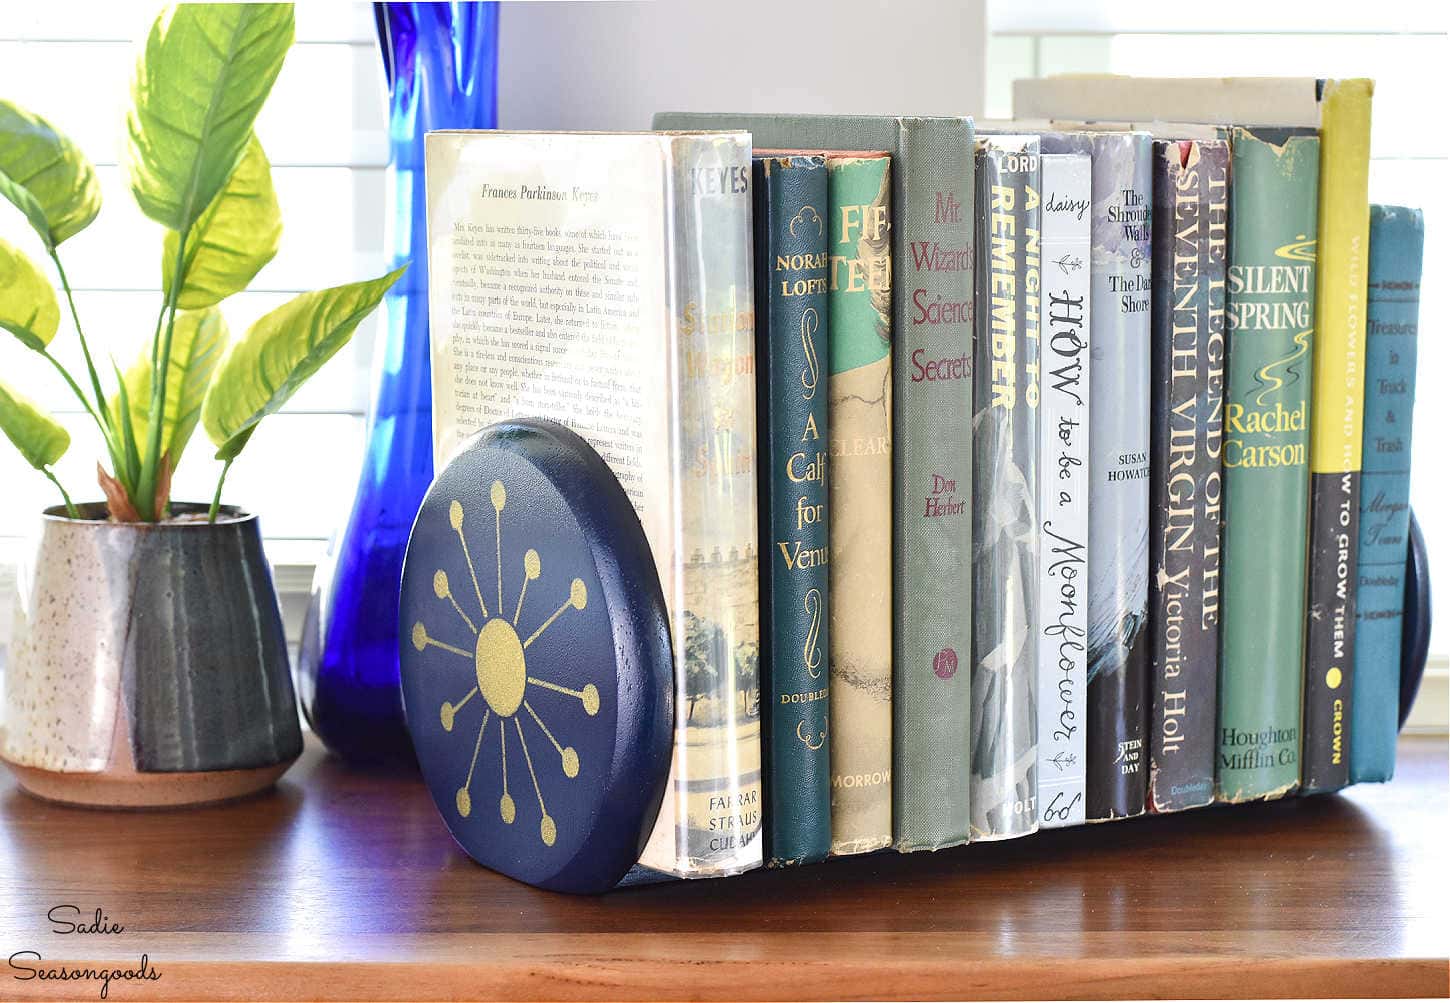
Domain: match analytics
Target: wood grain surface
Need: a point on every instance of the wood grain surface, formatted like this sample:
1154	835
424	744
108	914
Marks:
344	884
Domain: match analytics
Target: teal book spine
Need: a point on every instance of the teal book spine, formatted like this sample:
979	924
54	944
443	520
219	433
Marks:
791	413
1396	255
1273	213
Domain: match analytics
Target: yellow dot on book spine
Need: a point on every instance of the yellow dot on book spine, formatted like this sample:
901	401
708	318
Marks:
1334	677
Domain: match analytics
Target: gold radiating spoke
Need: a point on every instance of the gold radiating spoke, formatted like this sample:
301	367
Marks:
531	571
443	590
568	758
421	640
588	696
473	763
463	614
547	830
546	624
461	799
455	519
448	710
505	803
499	497
543	727
448	647
578	598
529	760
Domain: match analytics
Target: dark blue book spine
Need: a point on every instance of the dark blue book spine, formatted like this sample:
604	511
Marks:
791	257
1396	257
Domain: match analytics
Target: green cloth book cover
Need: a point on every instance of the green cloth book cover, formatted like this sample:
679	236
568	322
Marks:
1272	232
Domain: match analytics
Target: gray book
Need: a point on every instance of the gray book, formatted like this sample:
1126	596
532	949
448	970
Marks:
1005	530
932	314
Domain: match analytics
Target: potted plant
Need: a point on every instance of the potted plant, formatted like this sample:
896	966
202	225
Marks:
149	665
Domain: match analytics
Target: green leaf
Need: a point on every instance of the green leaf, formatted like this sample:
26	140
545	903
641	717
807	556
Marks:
231	241
38	436
28	308
279	353
197	343
125	457
205	73
46	176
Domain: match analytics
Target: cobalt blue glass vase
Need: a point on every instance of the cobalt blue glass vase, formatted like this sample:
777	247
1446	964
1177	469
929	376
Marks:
441	63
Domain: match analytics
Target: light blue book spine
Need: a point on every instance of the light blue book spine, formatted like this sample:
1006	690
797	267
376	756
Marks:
1396	255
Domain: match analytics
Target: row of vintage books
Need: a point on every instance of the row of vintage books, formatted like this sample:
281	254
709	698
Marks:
999	475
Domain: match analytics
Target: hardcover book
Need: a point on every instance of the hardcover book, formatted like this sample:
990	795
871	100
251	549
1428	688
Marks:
1340	111
793	432
932	317
605	281
859	235
1117	710
1272	228
1190	261
1004	527
1396	257
1063	486
1335	437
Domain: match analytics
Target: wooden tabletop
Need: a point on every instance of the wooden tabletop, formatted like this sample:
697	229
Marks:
344	885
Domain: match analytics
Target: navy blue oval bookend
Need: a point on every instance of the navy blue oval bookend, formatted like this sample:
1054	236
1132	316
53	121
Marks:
535	659
1415	627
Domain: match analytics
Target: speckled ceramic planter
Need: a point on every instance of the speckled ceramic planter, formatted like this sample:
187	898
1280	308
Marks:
148	666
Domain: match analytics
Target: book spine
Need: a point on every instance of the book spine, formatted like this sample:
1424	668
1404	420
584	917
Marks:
859	231
793	432
932	537
1190	258
1063	488
1335	436
715	778
1273	218
1118	439
1005	530
1396	257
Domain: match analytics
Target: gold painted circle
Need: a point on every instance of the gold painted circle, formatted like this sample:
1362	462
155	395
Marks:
1334	677
498	659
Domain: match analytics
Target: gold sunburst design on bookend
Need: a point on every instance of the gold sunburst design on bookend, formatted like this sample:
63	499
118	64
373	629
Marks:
500	669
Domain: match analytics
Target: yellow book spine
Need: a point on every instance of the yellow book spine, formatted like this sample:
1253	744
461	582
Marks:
1339	301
